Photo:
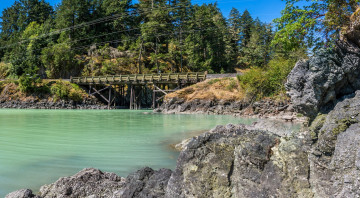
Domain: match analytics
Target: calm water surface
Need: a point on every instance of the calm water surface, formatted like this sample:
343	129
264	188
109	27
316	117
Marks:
39	146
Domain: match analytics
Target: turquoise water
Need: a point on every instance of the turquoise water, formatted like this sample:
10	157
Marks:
39	146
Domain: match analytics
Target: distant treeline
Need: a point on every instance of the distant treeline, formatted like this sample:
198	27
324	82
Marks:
105	37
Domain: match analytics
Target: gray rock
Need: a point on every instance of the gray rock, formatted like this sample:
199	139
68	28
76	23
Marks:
231	161
264	108
146	183
334	158
88	182
318	84
24	193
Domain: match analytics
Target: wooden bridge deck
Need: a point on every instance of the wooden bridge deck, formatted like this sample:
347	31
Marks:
139	79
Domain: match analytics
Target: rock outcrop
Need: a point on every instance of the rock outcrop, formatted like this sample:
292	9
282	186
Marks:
231	161
316	85
335	157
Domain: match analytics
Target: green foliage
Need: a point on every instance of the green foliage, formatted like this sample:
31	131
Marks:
165	36
264	82
59	61
311	25
27	83
63	90
4	70
255	83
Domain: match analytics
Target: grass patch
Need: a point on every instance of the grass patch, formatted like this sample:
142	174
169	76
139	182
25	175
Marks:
213	89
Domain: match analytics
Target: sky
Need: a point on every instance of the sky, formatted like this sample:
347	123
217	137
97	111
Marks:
266	10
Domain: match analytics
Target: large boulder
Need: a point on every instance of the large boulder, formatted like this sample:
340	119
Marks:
232	161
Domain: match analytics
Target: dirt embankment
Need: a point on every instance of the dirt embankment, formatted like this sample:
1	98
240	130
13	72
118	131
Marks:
224	96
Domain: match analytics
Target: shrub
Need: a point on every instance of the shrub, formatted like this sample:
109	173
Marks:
254	82
64	90
60	90
4	70
265	82
27	83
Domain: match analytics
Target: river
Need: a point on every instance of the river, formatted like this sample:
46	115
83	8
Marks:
39	146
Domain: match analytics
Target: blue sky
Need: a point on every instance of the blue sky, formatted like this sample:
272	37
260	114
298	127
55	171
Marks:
266	10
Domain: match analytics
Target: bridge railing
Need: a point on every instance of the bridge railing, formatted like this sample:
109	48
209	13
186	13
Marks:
141	78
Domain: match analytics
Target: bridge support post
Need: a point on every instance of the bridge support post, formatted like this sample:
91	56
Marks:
109	101
154	97
131	97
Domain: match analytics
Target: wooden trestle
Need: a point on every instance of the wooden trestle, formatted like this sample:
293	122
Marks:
132	89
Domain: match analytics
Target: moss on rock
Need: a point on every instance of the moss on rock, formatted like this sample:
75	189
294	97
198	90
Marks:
316	126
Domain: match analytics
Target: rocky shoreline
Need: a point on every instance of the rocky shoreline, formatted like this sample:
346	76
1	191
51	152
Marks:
49	104
268	109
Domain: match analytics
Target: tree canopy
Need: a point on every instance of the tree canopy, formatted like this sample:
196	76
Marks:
314	24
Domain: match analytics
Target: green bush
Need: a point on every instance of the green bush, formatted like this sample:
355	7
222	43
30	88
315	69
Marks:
60	90
266	82
63	90
4	70
255	83
27	83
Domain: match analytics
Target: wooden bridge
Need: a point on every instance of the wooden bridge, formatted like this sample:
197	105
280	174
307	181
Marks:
136	86
183	78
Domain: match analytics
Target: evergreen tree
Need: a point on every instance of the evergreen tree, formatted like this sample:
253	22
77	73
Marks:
247	24
233	47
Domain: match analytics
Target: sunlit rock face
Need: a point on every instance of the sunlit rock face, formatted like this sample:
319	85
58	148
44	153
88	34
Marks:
316	85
